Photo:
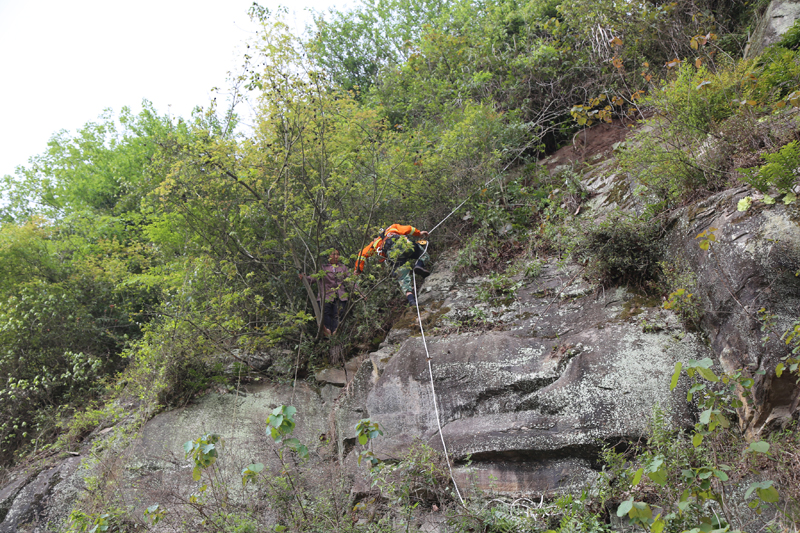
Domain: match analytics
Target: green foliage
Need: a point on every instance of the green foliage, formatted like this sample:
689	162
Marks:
779	173
699	98
280	425
204	452
82	523
499	288
691	478
353	46
366	431
679	282
104	168
686	305
790	337
775	75
622	250
791	37
674	160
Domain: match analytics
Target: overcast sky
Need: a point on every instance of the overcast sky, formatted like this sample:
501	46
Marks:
63	61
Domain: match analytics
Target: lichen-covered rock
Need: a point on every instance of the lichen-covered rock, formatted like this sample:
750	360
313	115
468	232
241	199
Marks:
41	502
751	264
561	369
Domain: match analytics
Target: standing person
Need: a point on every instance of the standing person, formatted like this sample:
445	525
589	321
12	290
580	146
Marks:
394	246
331	293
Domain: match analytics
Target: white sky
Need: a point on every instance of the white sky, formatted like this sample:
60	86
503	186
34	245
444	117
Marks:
63	61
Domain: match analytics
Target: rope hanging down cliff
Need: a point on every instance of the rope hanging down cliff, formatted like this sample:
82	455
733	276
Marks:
433	391
425	342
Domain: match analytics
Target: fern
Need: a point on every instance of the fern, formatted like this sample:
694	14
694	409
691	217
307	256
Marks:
780	172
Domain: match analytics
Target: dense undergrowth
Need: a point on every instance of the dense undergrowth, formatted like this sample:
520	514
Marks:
146	259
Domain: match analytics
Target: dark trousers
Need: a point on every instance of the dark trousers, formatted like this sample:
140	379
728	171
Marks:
332	313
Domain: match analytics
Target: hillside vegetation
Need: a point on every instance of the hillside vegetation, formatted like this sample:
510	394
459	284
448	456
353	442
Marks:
145	257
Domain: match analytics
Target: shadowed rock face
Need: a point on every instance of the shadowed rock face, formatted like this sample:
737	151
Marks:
751	265
36	501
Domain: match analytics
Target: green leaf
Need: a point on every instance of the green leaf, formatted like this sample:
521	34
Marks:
641	510
789	198
256	467
758	447
769	200
705	362
705	416
658	525
659	477
675	375
637	477
625	507
769	495
708	374
761	485
744	204
302	451
697	440
722	476
779	369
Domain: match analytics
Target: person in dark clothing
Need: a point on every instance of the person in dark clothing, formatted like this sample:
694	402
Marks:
331	293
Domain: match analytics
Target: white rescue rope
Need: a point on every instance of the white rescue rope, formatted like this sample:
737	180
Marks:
433	389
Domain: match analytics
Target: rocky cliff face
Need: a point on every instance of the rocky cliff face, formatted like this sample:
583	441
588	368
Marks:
527	383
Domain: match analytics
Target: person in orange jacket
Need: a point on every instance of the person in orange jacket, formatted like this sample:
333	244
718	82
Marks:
394	246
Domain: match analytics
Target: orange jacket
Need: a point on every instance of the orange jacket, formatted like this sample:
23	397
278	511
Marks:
377	244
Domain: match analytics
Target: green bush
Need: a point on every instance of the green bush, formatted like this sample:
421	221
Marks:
776	73
697	98
681	155
623	250
780	172
791	39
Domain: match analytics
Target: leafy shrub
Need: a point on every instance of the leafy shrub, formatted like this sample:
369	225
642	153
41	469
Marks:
698	98
780	172
775	74
791	39
680	284
681	154
623	250
692	478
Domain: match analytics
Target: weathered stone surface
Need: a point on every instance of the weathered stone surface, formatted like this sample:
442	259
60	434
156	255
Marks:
563	368
752	264
777	18
39	503
340	376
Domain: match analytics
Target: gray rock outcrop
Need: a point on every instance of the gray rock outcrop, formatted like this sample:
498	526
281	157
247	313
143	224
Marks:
777	18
